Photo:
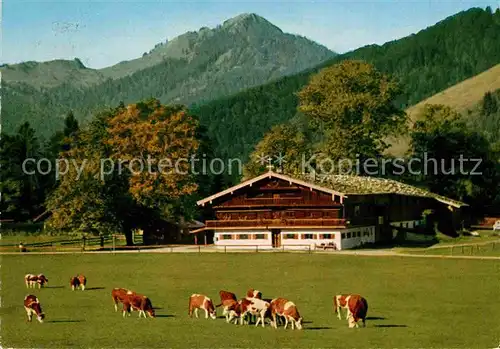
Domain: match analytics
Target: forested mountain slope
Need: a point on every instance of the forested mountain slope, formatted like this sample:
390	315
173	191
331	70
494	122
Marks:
455	49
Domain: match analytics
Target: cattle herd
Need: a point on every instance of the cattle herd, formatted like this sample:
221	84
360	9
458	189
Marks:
251	309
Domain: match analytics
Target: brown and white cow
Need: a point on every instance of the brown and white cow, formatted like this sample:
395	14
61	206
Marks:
227	300
119	295
33	307
340	302
140	303
358	308
253	293
200	301
232	309
288	310
32	280
251	306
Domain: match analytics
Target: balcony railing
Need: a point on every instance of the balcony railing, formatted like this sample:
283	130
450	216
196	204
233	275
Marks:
288	223
271	223
283	201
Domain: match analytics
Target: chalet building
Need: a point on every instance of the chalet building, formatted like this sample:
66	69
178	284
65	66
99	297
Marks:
343	211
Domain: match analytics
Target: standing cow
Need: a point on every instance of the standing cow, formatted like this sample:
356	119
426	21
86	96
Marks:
119	295
199	301
358	308
253	293
253	307
140	303
78	282
33	307
228	301
32	280
288	310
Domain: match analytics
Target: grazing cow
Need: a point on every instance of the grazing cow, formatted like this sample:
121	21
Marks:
199	301
252	293
251	306
339	302
31	280
74	283
288	310
140	303
33	307
83	281
358	307
232	309
119	295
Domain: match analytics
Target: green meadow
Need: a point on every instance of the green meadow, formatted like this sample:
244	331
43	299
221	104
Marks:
413	302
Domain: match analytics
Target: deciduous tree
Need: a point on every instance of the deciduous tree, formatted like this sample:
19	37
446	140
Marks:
353	106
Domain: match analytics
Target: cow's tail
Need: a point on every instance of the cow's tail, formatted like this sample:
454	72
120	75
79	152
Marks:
218	305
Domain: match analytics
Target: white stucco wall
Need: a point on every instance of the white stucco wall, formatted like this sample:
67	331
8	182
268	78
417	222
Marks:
305	243
265	243
299	243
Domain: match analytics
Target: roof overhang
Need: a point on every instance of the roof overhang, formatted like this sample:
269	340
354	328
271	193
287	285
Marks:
270	174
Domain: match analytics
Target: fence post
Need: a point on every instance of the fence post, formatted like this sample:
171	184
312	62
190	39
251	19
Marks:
114	243
256	248
462	249
199	248
225	249
283	248
171	249
452	250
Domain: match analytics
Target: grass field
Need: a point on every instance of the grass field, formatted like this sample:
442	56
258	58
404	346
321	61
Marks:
413	303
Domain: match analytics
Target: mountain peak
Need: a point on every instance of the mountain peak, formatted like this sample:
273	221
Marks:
247	19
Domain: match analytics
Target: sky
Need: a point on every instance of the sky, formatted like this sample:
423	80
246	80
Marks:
103	33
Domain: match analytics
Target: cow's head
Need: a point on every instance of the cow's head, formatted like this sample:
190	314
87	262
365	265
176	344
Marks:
151	312
298	323
38	310
213	314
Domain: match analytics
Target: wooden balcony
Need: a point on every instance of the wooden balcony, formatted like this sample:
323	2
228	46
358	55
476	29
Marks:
277	223
273	202
287	223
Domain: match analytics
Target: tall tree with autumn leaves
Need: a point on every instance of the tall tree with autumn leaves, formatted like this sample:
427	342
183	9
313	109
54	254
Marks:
134	168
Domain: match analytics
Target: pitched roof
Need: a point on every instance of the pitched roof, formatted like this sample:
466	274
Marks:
362	185
344	185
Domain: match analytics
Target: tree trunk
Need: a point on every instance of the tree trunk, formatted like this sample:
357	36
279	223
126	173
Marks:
129	237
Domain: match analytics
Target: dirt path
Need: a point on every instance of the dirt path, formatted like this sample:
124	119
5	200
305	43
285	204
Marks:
210	249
